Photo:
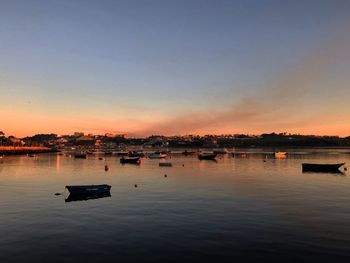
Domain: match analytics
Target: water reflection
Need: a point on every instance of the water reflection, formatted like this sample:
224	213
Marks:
85	197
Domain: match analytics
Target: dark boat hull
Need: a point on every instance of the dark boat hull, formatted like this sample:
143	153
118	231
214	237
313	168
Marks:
88	189
207	156
135	160
80	155
85	197
311	167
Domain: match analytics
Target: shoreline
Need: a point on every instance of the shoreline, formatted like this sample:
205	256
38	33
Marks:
18	150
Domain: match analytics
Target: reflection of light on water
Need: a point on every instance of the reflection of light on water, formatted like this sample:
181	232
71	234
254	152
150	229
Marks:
58	162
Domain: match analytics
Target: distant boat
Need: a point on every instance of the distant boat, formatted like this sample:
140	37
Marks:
88	189
222	151
31	155
134	160
108	153
280	155
80	155
157	155
165	164
88	152
313	167
207	156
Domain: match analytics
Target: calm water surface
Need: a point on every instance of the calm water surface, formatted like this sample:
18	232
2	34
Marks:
236	209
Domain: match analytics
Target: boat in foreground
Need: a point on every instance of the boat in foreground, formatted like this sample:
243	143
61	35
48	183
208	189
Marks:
314	167
134	160
207	156
88	189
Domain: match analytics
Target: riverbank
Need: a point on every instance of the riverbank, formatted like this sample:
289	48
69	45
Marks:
11	150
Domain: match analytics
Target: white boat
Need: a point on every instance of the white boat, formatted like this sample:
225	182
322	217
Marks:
157	156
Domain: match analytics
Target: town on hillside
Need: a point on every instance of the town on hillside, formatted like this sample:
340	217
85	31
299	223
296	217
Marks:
109	140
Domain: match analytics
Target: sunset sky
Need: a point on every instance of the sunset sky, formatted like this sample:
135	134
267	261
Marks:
174	67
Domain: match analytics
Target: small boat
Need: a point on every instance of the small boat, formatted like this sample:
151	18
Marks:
88	189
165	164
157	155
80	155
222	151
89	152
280	155
31	155
133	160
207	156
313	167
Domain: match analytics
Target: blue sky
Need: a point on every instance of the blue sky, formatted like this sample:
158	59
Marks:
121	61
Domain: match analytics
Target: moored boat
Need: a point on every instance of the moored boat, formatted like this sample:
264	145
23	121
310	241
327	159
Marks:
89	189
165	164
157	155
207	156
80	155
133	160
314	167
280	155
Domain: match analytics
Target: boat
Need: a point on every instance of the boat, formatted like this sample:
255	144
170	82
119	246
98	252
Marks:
207	156
89	152
80	155
222	151
85	197
108	153
134	160
157	155
88	189
165	164
280	155
314	167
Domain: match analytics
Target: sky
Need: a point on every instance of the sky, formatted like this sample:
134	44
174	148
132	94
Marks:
147	67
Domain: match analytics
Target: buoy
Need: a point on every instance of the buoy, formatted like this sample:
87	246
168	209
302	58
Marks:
345	168
264	161
135	185
165	175
183	165
106	168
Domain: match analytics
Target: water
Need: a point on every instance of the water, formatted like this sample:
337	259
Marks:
236	209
